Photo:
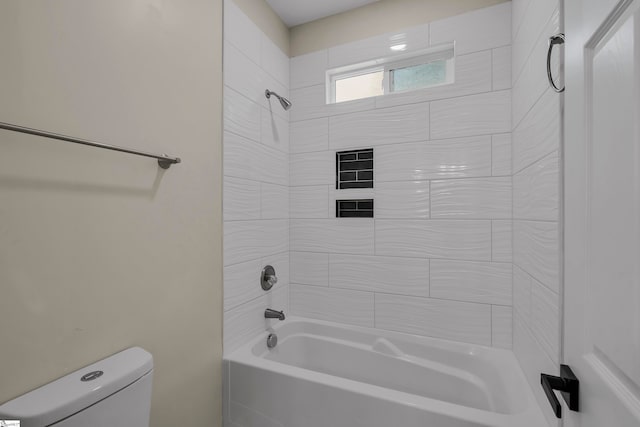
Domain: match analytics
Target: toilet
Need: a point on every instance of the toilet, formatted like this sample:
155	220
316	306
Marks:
115	391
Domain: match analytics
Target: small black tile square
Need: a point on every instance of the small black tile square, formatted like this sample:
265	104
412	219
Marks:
365	175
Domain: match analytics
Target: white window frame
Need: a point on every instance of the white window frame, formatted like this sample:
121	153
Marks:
387	65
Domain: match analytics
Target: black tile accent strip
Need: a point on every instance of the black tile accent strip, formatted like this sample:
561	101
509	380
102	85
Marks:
359	208
354	169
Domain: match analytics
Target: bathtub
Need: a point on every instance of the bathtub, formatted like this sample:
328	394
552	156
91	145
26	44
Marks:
323	374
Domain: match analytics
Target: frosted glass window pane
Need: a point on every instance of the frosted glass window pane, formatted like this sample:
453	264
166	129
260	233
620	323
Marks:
361	86
419	76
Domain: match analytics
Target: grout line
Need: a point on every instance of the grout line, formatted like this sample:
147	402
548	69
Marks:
491	240
491	324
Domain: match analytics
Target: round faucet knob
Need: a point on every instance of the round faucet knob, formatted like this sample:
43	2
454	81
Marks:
268	278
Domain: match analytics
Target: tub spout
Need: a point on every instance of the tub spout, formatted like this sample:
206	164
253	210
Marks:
273	314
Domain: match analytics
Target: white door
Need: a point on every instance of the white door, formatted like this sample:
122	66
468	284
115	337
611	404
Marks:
602	210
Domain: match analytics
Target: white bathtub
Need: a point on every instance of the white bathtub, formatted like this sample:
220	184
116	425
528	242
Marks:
323	374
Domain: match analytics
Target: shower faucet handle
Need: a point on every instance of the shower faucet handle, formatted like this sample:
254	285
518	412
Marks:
268	278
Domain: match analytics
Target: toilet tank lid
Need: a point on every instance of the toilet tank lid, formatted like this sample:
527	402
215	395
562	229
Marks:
70	394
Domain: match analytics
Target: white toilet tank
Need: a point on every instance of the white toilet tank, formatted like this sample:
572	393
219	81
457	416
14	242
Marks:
113	392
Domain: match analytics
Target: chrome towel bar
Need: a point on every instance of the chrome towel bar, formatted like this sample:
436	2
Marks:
164	161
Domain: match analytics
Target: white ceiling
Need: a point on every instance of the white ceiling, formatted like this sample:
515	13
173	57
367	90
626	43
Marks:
296	12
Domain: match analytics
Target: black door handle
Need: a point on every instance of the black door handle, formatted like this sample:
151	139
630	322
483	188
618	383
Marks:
568	384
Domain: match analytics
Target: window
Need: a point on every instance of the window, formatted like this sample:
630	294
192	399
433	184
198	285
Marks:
419	70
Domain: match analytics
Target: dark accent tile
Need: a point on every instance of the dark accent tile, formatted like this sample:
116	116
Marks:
365	204
362	208
363	184
348	176
356	165
345	156
365	175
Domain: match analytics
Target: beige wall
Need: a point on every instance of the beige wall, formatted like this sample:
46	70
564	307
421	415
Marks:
99	250
267	20
376	18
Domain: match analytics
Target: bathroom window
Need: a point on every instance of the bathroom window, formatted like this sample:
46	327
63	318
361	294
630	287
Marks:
402	73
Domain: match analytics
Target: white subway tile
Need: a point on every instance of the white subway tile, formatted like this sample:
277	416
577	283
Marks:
241	116
247	321
318	168
240	284
311	103
483	282
241	200
453	320
538	134
501	326
308	268
309	135
241	32
272	165
536	190
481	29
532	81
239	157
519	7
310	202
471	115
501	64
345	235
274	201
274	61
472	75
247	240
309	69
416	38
501	240
244	158
382	126
455	158
243	75
478	198
336	305
545	318
522	294
457	239
536	246
402	199
501	154
275	131
530	31
394	275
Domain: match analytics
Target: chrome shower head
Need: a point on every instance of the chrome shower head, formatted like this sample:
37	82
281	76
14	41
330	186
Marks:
286	104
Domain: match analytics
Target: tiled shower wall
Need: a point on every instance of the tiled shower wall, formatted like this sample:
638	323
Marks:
436	259
256	177
536	183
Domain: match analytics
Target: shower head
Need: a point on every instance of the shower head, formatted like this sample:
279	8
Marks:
286	104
